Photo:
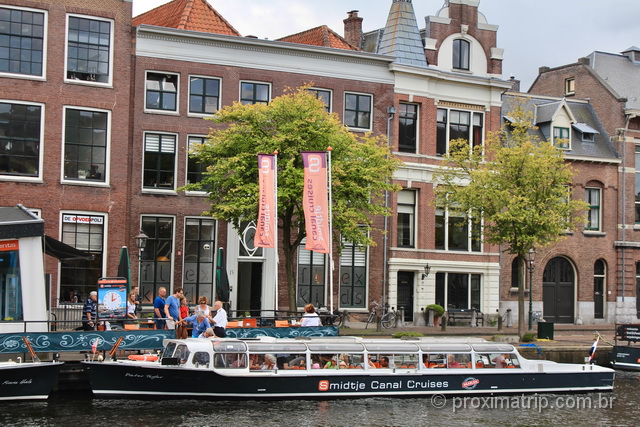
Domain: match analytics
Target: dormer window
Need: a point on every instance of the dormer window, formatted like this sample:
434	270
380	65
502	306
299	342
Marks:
461	49
588	133
561	138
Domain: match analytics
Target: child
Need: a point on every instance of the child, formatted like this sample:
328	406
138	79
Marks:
181	333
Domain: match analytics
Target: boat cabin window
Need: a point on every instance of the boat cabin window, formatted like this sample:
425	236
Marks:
263	362
169	349
434	360
182	353
457	361
497	360
230	360
293	361
229	347
201	358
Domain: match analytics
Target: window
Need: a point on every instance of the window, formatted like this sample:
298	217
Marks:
456	290
20	136
324	96
461	49
561	138
406	218
357	110
457	232
599	280
199	254
254	93
204	95
86	233
592	197
22	42
162	92
310	277
570	86
85	145
10	285
353	276
194	167
457	124
408	128
517	272
155	265
89	50
159	161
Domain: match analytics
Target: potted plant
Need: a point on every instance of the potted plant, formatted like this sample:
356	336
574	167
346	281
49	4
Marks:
438	312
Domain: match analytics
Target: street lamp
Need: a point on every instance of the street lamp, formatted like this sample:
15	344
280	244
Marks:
531	255
427	269
141	243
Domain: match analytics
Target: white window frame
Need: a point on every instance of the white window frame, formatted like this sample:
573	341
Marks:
175	164
570	81
414	230
42	144
599	228
270	97
175	112
558	145
107	165
447	215
470	140
189	113
330	95
371	113
186	171
45	44
111	49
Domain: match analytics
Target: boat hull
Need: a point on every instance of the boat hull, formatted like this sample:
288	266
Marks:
625	358
28	381
153	380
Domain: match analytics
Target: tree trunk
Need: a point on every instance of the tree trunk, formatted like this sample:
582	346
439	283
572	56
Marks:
521	319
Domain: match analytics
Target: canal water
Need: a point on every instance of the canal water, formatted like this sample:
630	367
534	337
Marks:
620	408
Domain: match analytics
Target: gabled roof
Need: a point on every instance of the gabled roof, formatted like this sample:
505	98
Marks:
191	15
319	36
548	112
620	73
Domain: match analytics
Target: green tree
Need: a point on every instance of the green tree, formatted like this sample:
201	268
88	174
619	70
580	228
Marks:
518	184
362	167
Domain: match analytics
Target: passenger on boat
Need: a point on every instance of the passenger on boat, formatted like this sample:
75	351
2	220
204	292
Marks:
501	360
254	362
384	362
219	320
200	323
181	331
452	362
207	334
370	362
269	362
310	317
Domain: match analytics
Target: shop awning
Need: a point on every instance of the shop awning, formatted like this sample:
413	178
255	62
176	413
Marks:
64	252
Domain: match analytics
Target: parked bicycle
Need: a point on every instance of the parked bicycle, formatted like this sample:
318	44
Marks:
389	317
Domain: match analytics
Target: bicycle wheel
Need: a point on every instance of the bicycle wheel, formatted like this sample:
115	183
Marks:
389	320
370	319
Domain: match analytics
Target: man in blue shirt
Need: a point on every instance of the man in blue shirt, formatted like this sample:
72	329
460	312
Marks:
200	323
172	306
158	307
89	312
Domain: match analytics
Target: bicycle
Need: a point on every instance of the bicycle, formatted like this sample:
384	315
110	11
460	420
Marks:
389	318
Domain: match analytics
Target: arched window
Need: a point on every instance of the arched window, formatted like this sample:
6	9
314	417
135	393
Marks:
461	49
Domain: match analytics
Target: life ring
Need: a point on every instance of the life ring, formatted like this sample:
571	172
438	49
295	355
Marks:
143	357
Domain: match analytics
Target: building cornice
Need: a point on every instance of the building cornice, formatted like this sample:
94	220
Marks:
452	77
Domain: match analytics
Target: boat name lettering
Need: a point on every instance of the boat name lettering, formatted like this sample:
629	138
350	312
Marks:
470	383
147	376
23	381
426	384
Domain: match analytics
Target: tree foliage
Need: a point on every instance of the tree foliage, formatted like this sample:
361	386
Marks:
362	167
519	186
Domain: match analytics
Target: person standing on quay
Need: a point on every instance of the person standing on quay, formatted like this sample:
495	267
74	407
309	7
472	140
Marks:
158	308
89	312
219	320
172	308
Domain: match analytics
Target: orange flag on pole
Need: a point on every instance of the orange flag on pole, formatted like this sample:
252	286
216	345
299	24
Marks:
266	227
315	201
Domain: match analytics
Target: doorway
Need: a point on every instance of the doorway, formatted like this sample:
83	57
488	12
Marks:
598	289
558	289
405	293
249	288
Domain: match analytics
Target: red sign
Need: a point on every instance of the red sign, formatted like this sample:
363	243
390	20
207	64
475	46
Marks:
9	245
266	227
315	201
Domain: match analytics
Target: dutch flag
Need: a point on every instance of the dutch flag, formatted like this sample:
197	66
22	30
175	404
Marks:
592	352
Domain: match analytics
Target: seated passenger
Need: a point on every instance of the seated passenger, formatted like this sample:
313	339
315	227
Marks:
370	363
501	360
384	362
452	362
254	362
207	334
269	362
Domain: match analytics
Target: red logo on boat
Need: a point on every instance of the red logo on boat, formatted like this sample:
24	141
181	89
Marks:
470	383
323	385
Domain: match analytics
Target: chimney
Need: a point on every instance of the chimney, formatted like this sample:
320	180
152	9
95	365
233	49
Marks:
353	29
515	84
584	61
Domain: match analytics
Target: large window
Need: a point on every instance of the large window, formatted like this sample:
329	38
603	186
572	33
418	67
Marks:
324	96
310	277
199	255
162	92
406	218
254	93
408	128
561	138
204	95
89	49
458	290
155	265
85	144
21	41
159	161
457	124
357	110
457	232
10	286
20	135
86	233
353	276
461	49
194	167
592	197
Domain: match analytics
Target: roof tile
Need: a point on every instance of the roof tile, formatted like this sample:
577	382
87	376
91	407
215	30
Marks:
319	36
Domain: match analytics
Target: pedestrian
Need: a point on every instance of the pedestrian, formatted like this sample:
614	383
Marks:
172	308
136	291
158	308
131	308
89	312
182	332
219	320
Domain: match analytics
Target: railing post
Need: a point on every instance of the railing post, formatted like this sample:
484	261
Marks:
400	318
508	325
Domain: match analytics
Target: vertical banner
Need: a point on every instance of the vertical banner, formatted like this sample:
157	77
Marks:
266	227
315	201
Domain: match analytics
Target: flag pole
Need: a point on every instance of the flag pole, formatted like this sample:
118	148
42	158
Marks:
331	267
275	239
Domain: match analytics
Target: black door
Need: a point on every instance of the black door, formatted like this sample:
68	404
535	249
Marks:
405	294
558	291
598	289
249	288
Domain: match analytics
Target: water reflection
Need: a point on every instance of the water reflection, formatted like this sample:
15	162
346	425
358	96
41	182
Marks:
79	409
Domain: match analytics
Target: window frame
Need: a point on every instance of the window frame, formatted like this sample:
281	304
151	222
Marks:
255	82
447	128
442	289
154	259
45	42
457	49
371	111
198	284
174	112
352	251
598	208
416	128
315	90
41	143
186	176
323	262
471	241
570	86
413	222
561	130
109	83
171	190
78	181
219	103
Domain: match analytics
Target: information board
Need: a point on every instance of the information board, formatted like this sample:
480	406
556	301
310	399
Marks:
112	297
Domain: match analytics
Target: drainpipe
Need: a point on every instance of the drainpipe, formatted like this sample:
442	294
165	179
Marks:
624	199
392	112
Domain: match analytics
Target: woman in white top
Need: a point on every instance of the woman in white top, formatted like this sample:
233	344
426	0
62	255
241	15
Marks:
310	317
203	304
131	306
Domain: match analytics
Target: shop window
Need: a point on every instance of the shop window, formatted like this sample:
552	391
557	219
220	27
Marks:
311	280
10	285
353	276
458	290
199	257
155	265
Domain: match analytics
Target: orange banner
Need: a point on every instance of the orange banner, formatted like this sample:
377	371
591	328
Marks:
9	245
315	201
266	227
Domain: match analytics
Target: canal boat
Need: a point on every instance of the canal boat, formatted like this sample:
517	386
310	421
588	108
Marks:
626	357
337	367
28	380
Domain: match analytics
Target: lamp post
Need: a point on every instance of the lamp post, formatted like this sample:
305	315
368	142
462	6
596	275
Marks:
427	269
530	258
141	242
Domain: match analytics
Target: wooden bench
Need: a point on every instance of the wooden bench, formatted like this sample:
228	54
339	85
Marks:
456	315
